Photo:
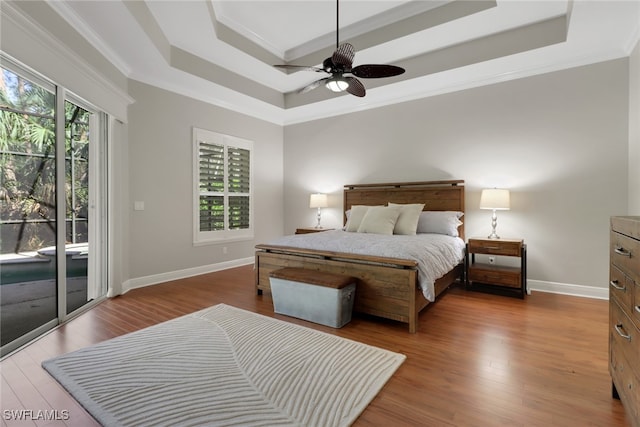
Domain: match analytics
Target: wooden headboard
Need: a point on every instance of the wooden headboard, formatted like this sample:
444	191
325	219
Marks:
436	195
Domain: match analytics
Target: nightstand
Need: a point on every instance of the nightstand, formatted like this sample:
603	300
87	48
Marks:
494	276
307	230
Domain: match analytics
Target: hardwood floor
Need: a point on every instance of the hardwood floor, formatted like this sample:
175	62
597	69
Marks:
477	359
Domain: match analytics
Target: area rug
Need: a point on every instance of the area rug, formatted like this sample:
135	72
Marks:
224	366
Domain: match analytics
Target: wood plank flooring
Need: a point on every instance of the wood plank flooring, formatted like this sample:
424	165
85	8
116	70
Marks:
477	359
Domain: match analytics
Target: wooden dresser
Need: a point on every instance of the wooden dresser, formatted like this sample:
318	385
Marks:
624	313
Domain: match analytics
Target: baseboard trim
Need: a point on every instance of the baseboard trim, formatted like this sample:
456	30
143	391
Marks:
568	289
532	285
141	282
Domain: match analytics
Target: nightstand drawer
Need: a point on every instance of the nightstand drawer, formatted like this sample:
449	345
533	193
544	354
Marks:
495	275
496	247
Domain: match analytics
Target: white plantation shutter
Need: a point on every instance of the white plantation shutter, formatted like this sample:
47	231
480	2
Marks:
239	185
211	186
223	181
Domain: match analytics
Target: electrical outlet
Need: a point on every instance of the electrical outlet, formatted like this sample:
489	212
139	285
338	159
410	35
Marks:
492	260
224	250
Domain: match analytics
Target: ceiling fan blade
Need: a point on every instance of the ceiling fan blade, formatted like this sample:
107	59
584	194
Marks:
299	68
344	55
373	71
313	85
355	87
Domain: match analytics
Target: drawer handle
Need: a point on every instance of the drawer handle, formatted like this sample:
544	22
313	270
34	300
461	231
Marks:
637	308
620	332
622	251
614	283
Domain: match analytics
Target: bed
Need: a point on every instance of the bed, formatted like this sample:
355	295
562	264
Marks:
387	286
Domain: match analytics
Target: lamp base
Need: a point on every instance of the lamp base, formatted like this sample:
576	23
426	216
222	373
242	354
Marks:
494	223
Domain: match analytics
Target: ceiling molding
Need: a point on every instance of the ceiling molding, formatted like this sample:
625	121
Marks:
384	19
444	45
195	65
454	82
240	42
505	43
141	13
185	61
428	19
70	15
180	59
56	62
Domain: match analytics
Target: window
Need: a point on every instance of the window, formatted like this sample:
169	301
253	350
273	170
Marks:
223	205
53	168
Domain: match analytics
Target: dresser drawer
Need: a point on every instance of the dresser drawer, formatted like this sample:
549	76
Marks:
625	377
496	247
623	334
495	275
629	226
635	305
625	254
621	287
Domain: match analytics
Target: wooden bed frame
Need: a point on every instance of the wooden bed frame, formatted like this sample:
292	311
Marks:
386	287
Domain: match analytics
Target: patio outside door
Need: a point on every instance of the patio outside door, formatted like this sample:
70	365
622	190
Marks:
52	168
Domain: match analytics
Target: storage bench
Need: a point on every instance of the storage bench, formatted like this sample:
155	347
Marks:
316	296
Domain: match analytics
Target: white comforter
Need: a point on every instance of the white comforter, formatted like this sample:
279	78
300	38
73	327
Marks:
436	254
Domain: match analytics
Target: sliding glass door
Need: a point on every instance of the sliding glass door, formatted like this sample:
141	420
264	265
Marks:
53	209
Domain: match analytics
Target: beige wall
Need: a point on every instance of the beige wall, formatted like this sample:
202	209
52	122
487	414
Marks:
558	141
634	131
160	175
566	143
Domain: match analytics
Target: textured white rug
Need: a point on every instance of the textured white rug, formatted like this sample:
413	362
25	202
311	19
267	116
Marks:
224	366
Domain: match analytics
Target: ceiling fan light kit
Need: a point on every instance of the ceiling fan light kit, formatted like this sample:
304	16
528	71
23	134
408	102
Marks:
340	63
337	84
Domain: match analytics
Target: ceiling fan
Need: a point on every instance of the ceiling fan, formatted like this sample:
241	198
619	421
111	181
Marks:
341	63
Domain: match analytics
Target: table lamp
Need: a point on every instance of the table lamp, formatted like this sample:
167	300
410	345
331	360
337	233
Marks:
318	200
496	199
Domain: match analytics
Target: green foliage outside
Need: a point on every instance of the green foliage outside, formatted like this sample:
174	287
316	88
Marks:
27	166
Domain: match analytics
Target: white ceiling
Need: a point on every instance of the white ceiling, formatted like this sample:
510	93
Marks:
222	52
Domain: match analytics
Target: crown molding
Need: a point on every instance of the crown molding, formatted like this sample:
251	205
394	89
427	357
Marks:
68	14
42	51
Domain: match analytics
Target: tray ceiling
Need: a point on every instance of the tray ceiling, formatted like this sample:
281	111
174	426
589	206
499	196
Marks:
222	52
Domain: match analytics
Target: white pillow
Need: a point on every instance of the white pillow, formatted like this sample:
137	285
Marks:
354	218
379	220
407	222
440	222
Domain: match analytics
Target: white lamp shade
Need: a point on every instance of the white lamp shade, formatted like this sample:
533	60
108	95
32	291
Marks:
318	200
336	84
495	198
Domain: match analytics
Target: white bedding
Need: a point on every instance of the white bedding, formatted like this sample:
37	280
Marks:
436	254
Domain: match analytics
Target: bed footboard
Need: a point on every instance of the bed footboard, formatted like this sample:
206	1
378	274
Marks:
382	290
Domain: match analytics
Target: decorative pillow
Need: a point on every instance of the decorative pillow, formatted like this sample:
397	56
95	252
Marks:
354	217
379	220
407	222
440	222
